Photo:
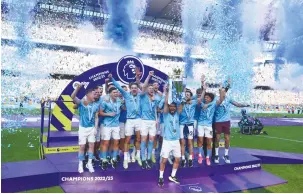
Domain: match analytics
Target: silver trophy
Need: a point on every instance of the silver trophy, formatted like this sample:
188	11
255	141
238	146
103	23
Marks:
177	84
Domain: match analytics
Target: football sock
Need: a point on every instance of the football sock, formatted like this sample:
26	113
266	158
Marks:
81	157
125	155
226	152
208	153
173	172
217	151
190	157
115	153
91	155
143	146
138	153
161	174
104	156
183	157
200	151
150	149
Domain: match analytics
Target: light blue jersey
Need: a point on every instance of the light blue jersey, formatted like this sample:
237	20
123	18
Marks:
98	104
171	126
111	107
187	115
87	114
161	106
206	116
222	113
132	102
148	107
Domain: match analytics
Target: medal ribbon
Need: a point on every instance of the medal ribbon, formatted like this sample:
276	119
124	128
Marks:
135	103
113	105
90	111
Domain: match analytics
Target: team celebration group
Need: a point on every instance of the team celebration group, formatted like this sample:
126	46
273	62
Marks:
107	124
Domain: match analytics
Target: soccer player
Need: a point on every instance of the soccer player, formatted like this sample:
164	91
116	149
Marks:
187	113
110	110
157	138
171	140
133	120
205	122
148	103
222	124
88	112
122	120
98	101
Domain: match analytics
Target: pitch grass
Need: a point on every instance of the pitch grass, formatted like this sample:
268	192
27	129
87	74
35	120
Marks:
15	148
37	112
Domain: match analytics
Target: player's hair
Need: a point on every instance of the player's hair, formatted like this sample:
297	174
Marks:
150	85
133	83
199	91
191	94
156	83
99	86
89	90
173	103
211	95
112	89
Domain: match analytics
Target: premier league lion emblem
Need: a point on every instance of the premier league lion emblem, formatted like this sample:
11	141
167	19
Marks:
126	68
129	70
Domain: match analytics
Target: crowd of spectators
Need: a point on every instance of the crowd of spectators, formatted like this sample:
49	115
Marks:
87	34
44	62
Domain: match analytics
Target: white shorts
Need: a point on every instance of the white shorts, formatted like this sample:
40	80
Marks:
205	131
160	129
110	132
132	125
148	128
86	134
122	130
171	146
190	133
98	135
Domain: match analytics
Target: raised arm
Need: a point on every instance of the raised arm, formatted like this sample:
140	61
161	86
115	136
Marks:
117	85
180	108
165	110
204	87
151	73
75	92
202	81
222	96
106	85
75	106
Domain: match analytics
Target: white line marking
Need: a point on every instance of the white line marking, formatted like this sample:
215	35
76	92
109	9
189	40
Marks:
298	141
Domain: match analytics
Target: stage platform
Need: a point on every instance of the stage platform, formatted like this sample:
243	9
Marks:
218	183
67	164
244	172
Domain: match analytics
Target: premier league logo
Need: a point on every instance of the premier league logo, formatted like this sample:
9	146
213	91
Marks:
126	68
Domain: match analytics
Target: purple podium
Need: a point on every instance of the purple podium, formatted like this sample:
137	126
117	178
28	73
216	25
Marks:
59	168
